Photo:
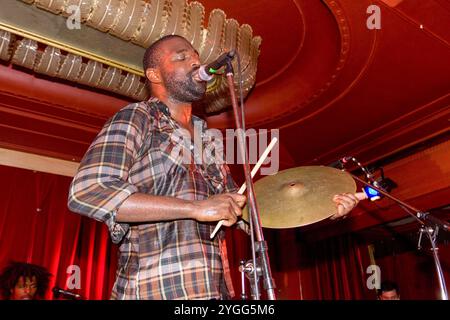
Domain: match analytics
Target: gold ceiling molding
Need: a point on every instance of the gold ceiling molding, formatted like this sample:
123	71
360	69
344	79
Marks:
53	62
106	51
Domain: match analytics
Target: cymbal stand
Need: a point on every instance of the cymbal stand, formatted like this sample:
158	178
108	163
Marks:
429	225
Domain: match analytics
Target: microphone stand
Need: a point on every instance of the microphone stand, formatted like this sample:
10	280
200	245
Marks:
255	220
428	224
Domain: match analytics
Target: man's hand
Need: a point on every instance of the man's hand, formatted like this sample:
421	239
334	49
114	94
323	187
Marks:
346	202
225	207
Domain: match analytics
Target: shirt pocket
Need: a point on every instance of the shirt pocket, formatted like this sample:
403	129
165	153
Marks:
175	157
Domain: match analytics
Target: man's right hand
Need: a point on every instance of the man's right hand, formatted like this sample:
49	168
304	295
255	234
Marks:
225	207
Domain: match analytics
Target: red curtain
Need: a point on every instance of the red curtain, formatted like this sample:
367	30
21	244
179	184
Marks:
333	269
413	270
37	227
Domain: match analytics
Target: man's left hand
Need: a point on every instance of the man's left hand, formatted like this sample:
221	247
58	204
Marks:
346	202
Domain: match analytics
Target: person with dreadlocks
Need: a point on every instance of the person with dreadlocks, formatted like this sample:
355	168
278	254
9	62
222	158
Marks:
24	281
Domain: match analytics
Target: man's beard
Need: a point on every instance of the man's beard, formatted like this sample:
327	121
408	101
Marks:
184	90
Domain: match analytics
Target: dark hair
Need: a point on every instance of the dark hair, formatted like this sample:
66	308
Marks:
12	273
152	54
388	286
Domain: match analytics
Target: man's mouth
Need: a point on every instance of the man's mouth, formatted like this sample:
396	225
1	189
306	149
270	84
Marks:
196	78
194	75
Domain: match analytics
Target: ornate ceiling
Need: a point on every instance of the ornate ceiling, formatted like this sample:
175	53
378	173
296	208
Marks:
328	81
101	43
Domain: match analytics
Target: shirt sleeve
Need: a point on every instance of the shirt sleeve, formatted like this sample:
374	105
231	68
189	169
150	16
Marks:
101	184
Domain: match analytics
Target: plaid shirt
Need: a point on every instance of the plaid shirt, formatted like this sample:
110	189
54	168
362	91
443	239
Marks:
161	260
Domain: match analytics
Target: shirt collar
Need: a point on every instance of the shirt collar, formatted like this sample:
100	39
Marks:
161	106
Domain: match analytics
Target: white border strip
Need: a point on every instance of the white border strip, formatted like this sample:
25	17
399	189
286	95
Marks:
36	162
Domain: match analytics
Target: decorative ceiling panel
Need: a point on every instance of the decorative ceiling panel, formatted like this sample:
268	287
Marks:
101	43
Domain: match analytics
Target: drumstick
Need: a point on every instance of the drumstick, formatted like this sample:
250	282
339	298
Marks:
254	170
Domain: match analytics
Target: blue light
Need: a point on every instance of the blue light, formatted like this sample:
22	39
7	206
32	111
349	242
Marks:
372	194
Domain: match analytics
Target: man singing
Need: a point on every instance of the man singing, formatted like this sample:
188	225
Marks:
160	209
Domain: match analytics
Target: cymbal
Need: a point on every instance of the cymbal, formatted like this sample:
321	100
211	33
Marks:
299	196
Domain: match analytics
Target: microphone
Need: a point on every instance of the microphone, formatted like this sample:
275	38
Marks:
207	72
339	164
58	291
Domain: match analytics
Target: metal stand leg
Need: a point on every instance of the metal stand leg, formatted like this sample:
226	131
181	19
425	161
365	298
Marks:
432	234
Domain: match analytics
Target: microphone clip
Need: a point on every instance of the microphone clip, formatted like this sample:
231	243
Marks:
207	72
